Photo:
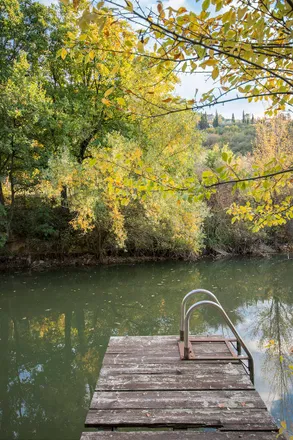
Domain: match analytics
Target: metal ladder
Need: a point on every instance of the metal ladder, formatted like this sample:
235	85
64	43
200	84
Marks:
185	345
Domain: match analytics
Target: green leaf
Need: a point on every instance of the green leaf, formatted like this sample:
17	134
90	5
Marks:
205	5
224	156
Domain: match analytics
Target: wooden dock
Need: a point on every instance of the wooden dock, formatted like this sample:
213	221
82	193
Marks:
144	384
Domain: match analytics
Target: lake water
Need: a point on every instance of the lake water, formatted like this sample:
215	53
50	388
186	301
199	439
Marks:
55	328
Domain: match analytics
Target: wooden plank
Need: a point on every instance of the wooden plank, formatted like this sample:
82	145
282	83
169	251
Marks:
160	339
176	399
178	367
232	419
129	358
169	344
172	382
170	348
152	342
182	435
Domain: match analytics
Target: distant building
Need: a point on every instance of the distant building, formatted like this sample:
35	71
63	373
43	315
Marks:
227	121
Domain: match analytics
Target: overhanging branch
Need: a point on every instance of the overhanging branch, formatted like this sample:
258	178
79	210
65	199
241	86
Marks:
248	179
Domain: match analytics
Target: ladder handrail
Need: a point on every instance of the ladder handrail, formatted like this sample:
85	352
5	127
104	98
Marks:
183	307
230	324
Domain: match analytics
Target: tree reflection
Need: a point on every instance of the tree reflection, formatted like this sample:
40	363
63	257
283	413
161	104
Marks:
273	329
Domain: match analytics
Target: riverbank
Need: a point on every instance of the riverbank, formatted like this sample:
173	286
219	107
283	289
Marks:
41	261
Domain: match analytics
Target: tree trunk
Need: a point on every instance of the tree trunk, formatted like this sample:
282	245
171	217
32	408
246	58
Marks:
64	197
11	178
2	198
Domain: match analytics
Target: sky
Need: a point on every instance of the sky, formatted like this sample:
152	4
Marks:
202	82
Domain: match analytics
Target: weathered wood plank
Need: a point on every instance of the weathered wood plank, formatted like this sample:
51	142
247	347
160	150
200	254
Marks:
124	342
244	419
182	435
158	338
169	347
131	358
172	382
176	368
176	399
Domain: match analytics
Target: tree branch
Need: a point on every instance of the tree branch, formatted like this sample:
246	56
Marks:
247	179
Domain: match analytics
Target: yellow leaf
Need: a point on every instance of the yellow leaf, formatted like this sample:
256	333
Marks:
108	92
215	73
91	55
71	35
63	53
121	101
115	70
210	62
140	46
106	102
129	6
181	10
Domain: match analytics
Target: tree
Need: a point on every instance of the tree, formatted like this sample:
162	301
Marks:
25	26
253	57
203	123
233	118
216	120
252	119
265	186
245	46
243	117
24	109
128	176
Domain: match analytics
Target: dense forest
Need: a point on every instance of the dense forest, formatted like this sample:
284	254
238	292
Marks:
87	167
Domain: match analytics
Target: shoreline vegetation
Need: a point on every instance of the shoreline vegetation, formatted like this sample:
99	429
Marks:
42	261
90	174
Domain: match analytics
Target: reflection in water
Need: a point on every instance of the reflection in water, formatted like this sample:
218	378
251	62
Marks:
55	327
273	329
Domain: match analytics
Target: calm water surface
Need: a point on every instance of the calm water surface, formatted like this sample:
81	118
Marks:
55	328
